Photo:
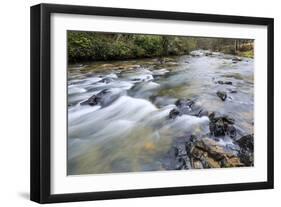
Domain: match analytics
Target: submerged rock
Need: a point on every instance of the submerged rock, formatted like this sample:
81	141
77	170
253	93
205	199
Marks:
221	126
111	75
143	89
103	98
222	95
106	80
187	107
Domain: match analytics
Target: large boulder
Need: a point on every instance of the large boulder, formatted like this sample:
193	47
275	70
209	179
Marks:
246	142
246	152
198	153
103	98
212	155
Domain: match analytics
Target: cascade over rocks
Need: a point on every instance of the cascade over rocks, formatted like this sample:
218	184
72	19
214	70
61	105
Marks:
103	98
187	107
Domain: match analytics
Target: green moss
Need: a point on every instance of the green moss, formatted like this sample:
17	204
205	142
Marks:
247	54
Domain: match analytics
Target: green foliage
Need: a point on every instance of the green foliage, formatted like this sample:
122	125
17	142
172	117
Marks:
88	46
247	54
149	45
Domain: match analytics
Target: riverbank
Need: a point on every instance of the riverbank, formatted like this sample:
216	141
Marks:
97	46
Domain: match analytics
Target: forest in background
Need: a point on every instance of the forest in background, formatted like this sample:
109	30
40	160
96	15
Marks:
91	46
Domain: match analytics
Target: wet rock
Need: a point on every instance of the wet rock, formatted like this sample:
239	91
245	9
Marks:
199	153
143	89
178	156
106	80
160	72
235	59
107	65
215	117
129	66
103	98
217	128
224	82
181	150
247	158
187	103
222	125
212	155
161	101
222	95
231	131
196	53
231	161
203	112
228	82
111	75
211	147
232	90
197	164
164	60
174	113
169	59
187	107
208	53
246	142
173	161
246	152
180	163
141	78
171	63
211	163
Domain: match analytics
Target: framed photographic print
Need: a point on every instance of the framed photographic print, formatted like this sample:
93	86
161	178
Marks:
132	103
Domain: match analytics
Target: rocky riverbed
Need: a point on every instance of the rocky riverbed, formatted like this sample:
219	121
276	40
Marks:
173	113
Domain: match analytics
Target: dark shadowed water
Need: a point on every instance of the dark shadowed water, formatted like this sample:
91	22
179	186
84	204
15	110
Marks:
133	131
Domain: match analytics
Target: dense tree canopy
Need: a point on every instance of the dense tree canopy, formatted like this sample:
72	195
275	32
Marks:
87	46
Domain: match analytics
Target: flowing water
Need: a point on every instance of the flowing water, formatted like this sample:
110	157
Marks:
133	132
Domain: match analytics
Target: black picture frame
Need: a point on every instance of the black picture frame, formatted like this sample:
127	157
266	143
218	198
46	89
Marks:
41	98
